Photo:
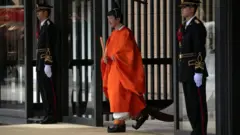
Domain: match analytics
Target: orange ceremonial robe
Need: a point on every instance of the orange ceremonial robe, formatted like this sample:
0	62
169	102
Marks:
123	78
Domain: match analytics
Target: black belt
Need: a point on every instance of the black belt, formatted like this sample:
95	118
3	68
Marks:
191	61
186	55
42	50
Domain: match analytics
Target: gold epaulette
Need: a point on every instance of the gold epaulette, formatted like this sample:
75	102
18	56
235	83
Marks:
47	56
199	62
196	21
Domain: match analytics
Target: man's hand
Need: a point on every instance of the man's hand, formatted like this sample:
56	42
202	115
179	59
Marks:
105	59
198	79
48	71
113	59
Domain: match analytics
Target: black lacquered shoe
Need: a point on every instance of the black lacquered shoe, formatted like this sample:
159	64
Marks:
116	128
141	119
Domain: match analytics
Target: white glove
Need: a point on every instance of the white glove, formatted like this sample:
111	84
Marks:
198	79
48	71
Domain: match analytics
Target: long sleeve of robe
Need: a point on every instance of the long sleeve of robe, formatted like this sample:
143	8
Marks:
123	77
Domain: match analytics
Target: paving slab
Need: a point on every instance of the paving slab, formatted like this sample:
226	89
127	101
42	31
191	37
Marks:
75	129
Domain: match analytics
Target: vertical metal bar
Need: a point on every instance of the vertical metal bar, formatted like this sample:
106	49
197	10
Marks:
170	7
139	24
1	96
114	4
176	20
34	49
214	19
86	48
165	46
119	4
223	22
208	11
104	33
201	7
152	46
132	16
107	25
146	46
36	29
158	50
125	11
213	11
109	7
211	7
28	38
104	20
107	28
57	79
90	50
91	37
79	66
205	14
97	93
61	19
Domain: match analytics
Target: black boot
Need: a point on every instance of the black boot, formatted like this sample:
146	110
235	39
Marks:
117	128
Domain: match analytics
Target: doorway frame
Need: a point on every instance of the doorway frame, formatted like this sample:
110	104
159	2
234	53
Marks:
16	116
61	21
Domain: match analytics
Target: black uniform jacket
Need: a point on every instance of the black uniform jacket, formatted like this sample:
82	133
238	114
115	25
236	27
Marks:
46	45
192	51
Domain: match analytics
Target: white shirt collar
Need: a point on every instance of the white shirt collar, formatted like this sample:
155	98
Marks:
188	22
121	27
43	22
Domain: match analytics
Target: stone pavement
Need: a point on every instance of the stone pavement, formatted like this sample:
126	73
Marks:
150	128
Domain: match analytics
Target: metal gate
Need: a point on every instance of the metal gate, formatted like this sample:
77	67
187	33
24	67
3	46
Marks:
151	22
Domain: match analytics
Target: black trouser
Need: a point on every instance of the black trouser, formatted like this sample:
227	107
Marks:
48	94
196	105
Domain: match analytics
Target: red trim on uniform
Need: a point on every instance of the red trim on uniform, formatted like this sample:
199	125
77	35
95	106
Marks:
54	99
201	109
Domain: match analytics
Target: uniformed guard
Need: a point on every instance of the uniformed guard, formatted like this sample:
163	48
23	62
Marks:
46	62
192	68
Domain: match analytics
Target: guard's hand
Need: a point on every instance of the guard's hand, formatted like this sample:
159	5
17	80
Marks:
198	79
48	70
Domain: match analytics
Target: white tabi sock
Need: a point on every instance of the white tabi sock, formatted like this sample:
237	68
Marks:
121	116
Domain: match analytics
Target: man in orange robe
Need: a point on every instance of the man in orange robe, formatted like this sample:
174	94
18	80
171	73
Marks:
123	75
